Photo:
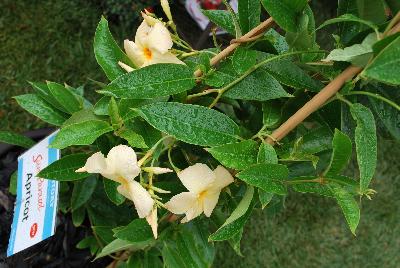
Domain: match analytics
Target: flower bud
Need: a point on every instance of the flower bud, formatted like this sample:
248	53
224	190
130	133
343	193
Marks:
166	9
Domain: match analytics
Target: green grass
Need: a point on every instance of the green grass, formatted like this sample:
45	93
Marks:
53	40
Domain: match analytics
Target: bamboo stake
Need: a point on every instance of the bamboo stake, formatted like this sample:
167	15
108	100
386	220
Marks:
262	27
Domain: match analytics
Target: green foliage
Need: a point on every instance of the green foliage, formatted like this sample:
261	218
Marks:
222	18
341	154
249	14
191	123
16	139
82	192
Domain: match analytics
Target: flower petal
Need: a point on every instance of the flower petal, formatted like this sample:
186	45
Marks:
193	212
140	197
181	203
223	177
210	201
167	57
142	33
159	38
96	163
134	52
125	67
152	221
122	162
157	170
197	178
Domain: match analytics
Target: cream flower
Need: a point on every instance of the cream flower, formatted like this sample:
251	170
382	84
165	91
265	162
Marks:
121	166
204	187
152	44
152	221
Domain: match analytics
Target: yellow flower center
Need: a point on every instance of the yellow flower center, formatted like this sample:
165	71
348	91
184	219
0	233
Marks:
202	195
147	53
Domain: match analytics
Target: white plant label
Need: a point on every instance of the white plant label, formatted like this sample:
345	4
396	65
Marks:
36	204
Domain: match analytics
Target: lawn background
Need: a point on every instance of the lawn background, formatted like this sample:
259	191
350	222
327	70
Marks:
53	40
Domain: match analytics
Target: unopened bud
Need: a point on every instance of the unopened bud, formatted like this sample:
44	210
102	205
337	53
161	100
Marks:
166	9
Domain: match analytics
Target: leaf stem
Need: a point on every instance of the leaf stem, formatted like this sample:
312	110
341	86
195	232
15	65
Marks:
376	96
343	99
205	92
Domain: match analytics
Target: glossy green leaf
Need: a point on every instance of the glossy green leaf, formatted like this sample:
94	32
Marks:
289	74
82	191
188	247
271	113
107	51
191	123
372	10
249	14
119	245
42	90
105	233
64	168
238	155
266	154
101	106
40	108
386	65
156	80
268	177
341	155
366	143
235	222
259	85
136	231
264	197
110	187
221	18
16	139
348	205
83	133
64	97
243	59
285	12
133	139
348	18
113	112
311	187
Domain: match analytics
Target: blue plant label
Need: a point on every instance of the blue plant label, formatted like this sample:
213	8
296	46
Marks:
36	204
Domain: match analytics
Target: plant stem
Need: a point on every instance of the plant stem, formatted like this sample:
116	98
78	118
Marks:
343	99
205	92
376	96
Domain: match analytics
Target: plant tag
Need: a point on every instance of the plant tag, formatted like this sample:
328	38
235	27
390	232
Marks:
36	204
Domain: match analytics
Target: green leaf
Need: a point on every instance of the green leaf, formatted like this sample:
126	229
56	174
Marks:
82	191
235	222
13	183
107	51
64	97
348	18
111	190
136	231
289	74
259	85
191	123
134	139
249	14
78	216
188	247
264	198
348	205
120	245
152	81
238	155
42	90
394	5
381	44
221	18
311	187
267	154
116	120
83	133
285	12
243	58
80	117
105	233
372	10
16	139
40	108
101	107
64	168
366	143
386	65
268	177
341	154
271	113
358	54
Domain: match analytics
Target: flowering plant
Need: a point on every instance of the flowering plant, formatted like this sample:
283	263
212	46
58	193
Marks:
184	145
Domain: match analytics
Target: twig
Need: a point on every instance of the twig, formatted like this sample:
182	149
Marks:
265	25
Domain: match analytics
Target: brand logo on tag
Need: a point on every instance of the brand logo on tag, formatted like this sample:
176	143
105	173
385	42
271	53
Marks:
33	231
